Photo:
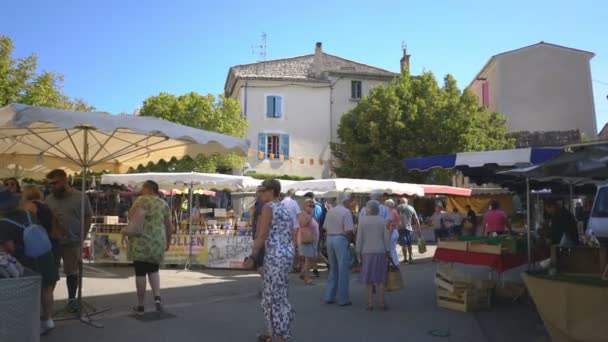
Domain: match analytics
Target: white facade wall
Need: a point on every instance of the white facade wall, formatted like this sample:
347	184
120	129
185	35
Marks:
305	119
308	118
542	88
341	97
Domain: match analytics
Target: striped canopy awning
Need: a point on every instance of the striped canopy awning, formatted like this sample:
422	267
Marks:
499	158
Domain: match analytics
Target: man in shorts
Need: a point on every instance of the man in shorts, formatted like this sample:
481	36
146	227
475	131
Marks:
66	204
407	213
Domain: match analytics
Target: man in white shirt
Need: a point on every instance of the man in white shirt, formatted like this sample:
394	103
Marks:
293	207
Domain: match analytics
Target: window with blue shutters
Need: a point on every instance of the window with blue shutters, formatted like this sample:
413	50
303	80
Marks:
262	143
274	144
285	145
274	106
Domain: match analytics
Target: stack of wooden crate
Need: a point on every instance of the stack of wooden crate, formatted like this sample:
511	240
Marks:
456	291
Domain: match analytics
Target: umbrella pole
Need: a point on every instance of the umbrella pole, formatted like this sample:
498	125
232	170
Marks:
528	222
190	206
85	310
571	192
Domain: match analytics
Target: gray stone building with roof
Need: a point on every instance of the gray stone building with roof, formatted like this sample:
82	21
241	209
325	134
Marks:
294	105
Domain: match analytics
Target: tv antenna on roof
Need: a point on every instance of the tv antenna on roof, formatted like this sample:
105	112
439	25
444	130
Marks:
260	50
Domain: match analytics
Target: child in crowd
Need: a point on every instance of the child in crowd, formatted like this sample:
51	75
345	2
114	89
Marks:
9	266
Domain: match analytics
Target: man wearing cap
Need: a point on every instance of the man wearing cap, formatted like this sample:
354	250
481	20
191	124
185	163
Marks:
66	204
340	231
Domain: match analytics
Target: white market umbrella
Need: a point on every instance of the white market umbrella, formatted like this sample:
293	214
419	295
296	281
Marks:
357	186
86	141
57	138
184	180
19	172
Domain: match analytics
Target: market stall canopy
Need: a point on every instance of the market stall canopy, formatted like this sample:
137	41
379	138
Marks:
20	172
31	136
581	166
482	167
430	189
356	186
183	180
186	191
588	160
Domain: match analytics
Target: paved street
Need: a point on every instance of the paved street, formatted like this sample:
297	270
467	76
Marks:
222	306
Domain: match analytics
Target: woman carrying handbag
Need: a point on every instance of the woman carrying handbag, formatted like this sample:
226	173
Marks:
373	247
149	235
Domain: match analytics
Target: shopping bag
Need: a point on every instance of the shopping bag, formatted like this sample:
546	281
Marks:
136	224
421	245
394	280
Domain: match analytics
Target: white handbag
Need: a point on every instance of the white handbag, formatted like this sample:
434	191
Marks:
136	224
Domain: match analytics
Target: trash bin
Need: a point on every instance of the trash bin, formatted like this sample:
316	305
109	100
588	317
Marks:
20	313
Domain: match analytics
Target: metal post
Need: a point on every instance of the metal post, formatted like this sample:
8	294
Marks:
83	188
190	205
571	190
528	219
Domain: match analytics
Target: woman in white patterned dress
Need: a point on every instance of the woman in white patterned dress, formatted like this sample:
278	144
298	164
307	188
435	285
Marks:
274	235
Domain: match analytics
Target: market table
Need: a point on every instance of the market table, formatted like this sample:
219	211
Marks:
500	262
209	250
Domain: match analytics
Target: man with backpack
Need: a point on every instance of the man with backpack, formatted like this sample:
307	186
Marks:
66	204
31	248
318	214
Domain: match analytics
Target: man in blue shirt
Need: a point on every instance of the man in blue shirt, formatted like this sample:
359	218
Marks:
384	212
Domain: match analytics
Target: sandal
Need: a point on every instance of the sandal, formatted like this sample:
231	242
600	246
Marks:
384	307
264	338
308	281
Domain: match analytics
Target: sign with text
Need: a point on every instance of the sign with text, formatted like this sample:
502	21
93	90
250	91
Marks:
228	251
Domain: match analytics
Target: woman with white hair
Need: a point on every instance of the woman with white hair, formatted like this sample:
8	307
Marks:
373	247
393	226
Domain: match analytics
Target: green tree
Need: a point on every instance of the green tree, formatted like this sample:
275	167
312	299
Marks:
221	114
21	83
412	117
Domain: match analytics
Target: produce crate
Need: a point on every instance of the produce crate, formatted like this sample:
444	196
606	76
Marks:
468	301
482	247
577	260
455	245
451	280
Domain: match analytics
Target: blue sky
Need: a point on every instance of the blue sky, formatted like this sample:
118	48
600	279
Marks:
114	54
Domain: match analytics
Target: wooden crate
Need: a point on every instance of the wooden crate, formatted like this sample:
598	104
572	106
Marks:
480	247
451	280
467	301
577	260
455	245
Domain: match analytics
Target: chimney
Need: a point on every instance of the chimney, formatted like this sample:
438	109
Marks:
317	63
405	61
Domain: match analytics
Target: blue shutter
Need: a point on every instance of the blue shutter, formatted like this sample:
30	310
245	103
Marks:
285	145
278	106
269	106
262	142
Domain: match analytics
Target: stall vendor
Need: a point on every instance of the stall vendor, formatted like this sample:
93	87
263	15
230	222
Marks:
562	223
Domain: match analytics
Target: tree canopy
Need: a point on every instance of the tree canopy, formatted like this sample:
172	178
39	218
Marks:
20	82
221	115
413	117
